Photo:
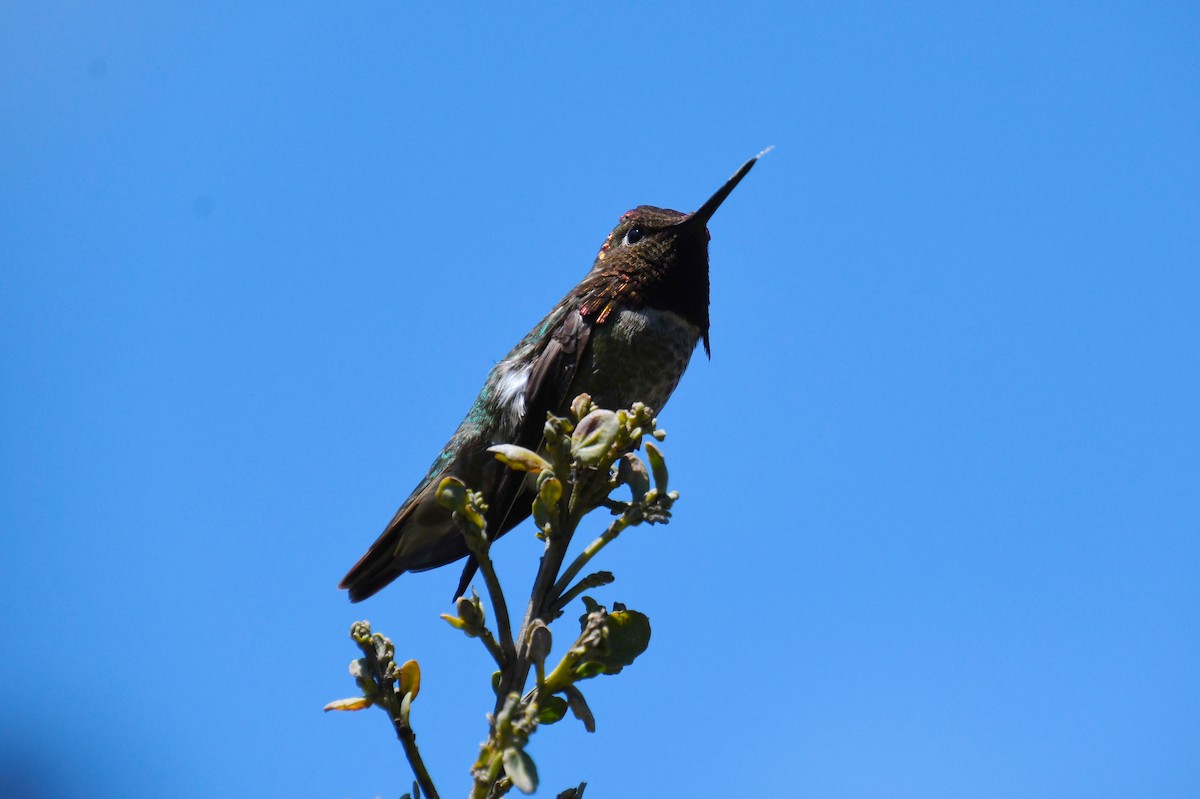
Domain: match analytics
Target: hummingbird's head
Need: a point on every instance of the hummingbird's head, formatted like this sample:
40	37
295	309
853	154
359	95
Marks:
649	234
658	258
644	234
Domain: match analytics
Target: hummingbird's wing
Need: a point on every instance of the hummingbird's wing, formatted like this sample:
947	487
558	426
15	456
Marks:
422	535
547	390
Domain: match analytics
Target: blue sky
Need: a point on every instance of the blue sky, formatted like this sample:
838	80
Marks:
939	515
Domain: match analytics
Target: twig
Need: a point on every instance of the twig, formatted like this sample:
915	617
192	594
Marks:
408	739
587	583
614	530
503	626
513	679
489	643
380	683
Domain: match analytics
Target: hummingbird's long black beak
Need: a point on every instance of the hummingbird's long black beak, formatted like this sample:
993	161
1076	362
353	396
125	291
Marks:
705	212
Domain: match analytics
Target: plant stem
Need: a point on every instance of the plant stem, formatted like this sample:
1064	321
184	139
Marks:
499	607
493	648
484	780
513	679
586	555
408	739
566	599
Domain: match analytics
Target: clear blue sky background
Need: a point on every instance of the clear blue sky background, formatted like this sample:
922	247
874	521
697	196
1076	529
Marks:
941	477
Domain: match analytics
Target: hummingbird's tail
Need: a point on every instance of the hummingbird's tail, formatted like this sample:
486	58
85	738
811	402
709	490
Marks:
420	536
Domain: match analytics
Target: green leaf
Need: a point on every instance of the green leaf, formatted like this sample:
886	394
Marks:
452	494
454	621
410	678
519	458
589	669
551	709
406	707
628	637
581	406
541	517
550	489
579	707
632	472
594	437
518	765
360	702
658	465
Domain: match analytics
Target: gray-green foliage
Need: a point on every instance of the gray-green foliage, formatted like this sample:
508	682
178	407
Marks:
586	458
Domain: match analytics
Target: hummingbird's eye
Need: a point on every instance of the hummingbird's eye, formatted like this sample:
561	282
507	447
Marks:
633	236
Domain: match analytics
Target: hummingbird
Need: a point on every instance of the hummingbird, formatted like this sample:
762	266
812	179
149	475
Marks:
625	334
